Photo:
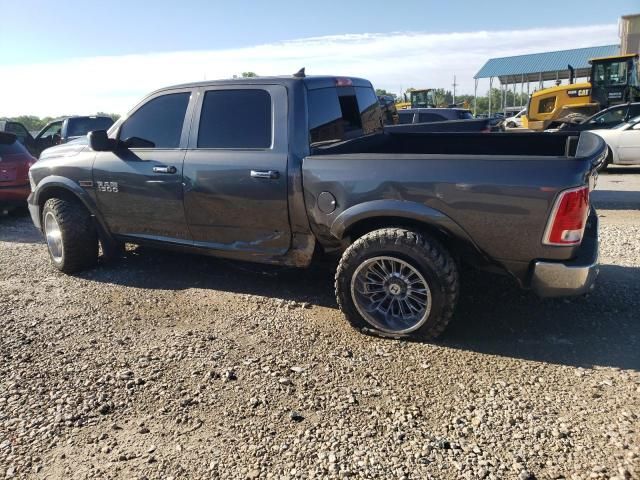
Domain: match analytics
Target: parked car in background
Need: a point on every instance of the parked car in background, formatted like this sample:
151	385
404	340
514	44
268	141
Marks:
515	121
440	120
623	141
22	134
605	119
66	129
281	169
389	110
15	161
424	115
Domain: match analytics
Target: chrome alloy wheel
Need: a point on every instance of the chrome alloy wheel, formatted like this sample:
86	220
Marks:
391	295
54	236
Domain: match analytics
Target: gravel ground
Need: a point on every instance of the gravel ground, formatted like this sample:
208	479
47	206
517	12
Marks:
175	366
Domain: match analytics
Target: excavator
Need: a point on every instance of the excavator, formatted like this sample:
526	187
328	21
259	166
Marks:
613	80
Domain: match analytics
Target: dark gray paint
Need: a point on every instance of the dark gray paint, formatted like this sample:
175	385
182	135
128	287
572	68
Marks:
496	205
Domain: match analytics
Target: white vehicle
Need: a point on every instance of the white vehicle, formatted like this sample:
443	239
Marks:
624	143
516	120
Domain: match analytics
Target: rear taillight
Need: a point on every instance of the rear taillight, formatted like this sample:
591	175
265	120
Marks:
568	217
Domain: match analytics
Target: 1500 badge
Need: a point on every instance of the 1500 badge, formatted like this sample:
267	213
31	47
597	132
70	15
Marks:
111	187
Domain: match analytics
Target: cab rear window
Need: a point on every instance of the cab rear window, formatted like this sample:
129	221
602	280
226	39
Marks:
342	113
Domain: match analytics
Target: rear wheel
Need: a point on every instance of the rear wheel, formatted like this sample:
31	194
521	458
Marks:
399	283
71	237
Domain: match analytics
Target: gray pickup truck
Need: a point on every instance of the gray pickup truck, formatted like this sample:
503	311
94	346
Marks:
283	169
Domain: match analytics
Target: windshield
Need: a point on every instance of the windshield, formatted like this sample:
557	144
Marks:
422	99
623	125
612	73
80	126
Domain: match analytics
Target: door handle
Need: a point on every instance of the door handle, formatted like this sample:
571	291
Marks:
164	169
269	174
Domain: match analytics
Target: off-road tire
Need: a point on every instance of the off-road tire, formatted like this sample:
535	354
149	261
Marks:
79	236
422	252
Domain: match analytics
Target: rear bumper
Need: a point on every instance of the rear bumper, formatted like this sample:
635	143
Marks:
570	278
15	195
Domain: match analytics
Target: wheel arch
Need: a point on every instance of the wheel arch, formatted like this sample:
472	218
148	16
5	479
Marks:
64	188
363	218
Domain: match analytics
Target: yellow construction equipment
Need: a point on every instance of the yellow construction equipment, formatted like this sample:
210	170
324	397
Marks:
613	80
422	98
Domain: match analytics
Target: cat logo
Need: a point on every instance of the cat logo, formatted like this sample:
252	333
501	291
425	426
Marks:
111	187
582	92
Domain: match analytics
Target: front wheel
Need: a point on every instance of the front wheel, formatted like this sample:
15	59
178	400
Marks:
399	283
71	237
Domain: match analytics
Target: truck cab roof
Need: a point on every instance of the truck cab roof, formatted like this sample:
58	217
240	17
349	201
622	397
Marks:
311	82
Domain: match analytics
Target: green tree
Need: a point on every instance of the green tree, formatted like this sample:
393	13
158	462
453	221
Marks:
249	74
382	91
31	122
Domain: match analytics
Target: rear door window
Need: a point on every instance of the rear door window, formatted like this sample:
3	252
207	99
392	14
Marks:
236	119
158	121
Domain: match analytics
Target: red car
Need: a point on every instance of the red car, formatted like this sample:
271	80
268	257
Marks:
15	162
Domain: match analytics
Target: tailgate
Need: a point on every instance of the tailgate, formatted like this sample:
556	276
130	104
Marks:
7	174
594	149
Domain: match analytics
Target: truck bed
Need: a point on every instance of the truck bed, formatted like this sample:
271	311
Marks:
461	143
500	196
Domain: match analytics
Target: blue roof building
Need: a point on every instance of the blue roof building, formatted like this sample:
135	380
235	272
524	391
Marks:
539	67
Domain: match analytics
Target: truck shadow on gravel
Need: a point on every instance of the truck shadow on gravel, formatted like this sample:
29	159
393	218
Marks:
16	227
493	317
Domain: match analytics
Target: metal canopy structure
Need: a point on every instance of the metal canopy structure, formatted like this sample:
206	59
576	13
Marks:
548	65
540	67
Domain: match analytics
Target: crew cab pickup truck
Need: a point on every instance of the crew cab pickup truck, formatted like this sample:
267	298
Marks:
283	169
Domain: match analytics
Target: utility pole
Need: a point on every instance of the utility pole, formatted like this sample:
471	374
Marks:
454	88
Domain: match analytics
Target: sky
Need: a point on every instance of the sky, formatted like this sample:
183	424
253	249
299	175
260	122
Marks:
88	56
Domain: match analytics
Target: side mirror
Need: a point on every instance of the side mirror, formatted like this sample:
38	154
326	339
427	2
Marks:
100	142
